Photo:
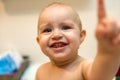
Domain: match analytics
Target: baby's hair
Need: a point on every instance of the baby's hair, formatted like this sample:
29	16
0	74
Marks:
60	4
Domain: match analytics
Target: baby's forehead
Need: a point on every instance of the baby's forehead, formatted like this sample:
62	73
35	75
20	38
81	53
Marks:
57	6
60	10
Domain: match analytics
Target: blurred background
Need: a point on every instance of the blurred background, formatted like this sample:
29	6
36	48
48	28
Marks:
18	25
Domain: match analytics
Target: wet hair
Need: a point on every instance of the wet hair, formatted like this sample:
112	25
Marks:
60	4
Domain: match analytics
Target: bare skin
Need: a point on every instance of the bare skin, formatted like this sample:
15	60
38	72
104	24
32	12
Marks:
60	44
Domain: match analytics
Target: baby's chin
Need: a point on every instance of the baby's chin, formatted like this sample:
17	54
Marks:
63	60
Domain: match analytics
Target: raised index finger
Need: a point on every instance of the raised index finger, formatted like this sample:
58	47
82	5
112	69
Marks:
101	10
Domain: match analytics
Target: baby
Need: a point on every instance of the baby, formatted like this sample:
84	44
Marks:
60	34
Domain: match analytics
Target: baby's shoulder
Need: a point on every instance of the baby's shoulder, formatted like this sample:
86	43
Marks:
85	64
43	67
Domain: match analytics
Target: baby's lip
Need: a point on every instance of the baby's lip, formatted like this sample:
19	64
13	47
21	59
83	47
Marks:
58	44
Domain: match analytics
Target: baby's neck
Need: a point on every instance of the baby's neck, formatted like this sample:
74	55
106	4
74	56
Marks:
69	63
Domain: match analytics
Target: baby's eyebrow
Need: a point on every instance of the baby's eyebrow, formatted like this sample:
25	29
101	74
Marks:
42	26
67	24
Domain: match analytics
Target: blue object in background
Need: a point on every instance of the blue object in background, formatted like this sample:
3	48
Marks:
7	65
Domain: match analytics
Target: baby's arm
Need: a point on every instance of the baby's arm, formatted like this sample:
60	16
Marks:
107	60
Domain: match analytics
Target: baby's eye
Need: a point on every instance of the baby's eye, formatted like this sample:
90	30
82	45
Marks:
47	30
66	27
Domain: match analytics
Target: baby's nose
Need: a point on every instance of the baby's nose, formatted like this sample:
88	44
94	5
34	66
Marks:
56	35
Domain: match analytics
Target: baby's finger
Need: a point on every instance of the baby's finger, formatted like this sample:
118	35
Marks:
111	27
101	10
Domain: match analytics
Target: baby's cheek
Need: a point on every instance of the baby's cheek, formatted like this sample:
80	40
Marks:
42	42
75	40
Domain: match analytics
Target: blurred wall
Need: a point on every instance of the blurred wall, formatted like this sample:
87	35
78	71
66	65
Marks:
18	25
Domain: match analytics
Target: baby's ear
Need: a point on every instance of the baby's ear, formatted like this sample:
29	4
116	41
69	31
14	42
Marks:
82	36
37	39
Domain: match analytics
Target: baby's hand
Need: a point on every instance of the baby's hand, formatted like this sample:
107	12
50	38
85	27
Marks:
107	31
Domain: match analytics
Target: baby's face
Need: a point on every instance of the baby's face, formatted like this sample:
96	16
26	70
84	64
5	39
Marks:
59	34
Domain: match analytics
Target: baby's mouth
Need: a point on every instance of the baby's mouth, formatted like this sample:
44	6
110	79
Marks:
58	44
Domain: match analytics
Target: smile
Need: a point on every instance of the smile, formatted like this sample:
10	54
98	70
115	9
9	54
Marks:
58	45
